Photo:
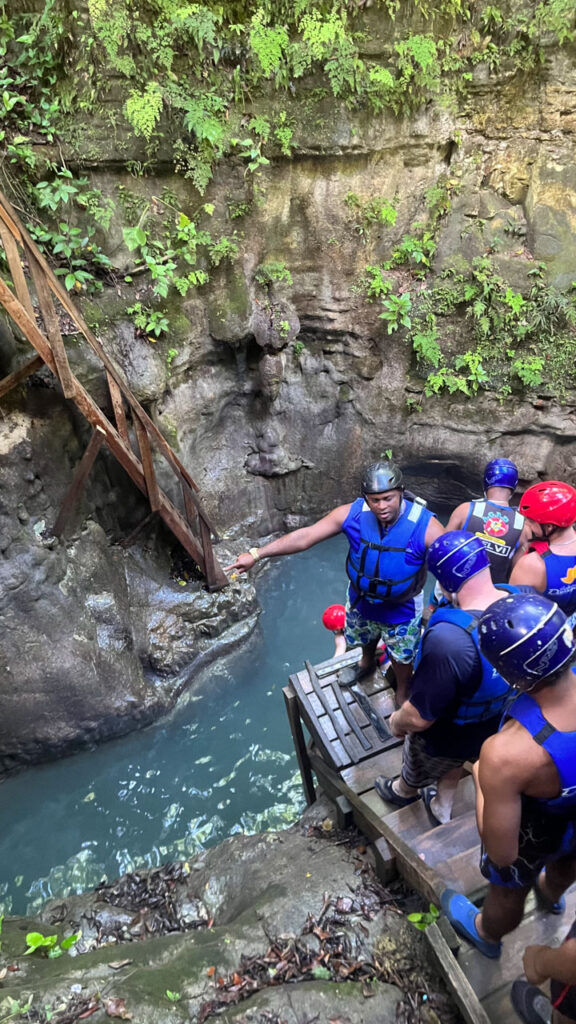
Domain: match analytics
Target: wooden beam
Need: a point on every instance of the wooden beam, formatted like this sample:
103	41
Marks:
291	702
216	578
15	378
15	265
129	540
147	464
458	985
78	481
52	326
118	409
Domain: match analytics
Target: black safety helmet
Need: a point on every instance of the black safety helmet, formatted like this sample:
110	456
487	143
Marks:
382	476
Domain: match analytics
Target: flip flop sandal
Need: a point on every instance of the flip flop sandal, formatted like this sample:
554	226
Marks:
545	903
384	789
462	916
428	794
530	1003
354	674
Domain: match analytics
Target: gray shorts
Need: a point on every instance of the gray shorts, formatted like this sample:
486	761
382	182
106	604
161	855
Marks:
422	769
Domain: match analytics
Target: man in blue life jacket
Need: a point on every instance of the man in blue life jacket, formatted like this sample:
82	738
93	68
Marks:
526	774
456	697
388	536
550	563
501	528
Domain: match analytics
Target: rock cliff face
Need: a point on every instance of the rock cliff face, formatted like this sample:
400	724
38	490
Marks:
274	394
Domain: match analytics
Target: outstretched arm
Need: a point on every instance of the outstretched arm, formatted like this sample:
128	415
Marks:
297	540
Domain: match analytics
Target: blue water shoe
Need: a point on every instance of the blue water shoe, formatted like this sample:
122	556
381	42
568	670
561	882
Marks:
462	916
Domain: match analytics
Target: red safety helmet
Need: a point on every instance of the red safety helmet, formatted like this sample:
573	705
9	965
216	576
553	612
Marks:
334	617
552	503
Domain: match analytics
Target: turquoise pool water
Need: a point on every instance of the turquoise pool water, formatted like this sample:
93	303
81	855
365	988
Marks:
221	763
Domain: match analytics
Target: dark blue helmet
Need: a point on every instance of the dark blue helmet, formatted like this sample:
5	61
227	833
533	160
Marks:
501	473
526	638
455	557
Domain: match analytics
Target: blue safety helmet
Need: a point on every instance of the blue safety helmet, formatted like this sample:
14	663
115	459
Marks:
455	557
501	473
526	638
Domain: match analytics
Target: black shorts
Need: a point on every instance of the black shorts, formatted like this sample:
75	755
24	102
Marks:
542	839
564	996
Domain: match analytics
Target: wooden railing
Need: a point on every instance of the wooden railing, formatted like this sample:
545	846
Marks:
190	526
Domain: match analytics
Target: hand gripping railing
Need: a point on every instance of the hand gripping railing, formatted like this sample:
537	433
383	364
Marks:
192	526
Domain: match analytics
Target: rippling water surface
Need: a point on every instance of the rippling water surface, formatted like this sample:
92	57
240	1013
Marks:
223	762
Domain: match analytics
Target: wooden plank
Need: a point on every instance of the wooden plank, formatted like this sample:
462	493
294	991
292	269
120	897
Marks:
462	873
336	753
118	409
338	722
384	861
52	327
344	812
421	877
458	985
96	417
147	463
216	578
360	777
291	703
16	271
18	376
78	481
342	707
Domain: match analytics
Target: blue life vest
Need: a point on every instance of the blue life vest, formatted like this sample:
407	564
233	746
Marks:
561	746
493	694
387	566
561	581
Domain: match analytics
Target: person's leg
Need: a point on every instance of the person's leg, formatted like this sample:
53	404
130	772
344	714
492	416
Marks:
403	673
557	877
502	911
402	641
441	804
368	659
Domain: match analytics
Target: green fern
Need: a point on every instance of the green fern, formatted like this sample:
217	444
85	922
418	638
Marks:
143	109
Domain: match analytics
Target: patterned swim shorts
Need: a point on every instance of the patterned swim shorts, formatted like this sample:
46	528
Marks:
401	639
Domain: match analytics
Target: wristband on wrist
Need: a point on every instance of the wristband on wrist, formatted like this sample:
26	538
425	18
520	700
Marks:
254	553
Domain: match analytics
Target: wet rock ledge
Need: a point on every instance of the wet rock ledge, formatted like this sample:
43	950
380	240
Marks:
278	928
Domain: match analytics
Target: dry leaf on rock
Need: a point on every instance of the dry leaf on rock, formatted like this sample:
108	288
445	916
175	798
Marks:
117	1008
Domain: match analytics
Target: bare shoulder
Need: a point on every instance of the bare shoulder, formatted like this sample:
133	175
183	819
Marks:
529	571
510	758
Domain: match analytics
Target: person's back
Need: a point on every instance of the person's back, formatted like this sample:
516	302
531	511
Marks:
492	518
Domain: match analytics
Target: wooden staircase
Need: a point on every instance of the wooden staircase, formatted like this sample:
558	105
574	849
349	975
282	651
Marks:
190	525
429	859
